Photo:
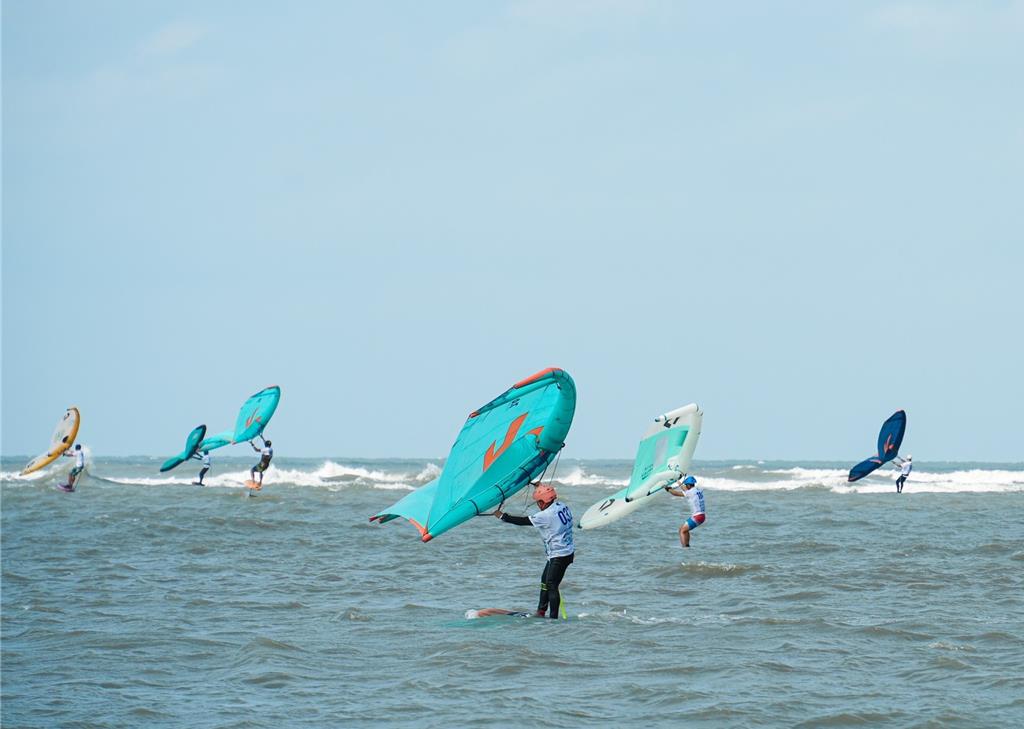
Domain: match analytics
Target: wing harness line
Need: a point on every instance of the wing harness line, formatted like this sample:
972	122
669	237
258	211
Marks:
491	513
554	470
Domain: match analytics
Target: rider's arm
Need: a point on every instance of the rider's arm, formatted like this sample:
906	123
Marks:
517	520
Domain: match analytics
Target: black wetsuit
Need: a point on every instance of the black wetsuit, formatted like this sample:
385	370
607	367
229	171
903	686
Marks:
204	470
550	579
264	463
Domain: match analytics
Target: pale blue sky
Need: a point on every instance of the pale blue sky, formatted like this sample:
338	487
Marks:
802	216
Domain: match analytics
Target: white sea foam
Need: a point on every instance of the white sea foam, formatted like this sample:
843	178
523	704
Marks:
59	466
16	475
340	472
578	476
338	476
974	481
148	481
330	475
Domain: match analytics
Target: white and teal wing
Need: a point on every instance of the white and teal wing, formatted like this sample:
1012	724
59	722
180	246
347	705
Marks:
663	457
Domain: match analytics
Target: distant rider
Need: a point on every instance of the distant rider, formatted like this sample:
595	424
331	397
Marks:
205	460
696	497
79	455
554	520
266	453
905	468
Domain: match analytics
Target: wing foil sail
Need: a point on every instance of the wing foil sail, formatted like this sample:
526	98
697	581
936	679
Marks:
890	438
253	417
63	438
192	444
663	457
502	446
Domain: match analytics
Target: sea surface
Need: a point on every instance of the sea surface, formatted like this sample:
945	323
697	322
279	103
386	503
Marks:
142	600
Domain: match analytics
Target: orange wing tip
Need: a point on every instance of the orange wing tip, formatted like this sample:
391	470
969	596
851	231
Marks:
427	537
535	377
422	529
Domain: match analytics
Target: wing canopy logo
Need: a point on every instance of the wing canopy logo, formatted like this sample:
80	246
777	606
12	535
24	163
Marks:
510	435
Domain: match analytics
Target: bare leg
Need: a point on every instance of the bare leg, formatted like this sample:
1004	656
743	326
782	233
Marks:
684	535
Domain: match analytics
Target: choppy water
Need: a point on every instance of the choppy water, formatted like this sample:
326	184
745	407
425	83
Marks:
141	600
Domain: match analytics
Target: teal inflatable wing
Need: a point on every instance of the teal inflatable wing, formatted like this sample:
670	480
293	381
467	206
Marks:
253	417
218	440
256	413
502	447
191	446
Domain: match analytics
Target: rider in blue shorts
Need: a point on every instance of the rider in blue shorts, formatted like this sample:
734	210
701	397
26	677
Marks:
696	498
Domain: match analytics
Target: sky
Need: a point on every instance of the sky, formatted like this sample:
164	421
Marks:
802	216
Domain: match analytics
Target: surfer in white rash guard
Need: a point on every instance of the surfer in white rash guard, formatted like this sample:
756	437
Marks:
554	520
266	453
205	460
905	468
79	455
696	497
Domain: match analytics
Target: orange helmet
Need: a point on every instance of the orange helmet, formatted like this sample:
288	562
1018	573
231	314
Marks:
544	493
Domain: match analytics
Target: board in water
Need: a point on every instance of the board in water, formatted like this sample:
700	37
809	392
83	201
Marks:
663	457
253	485
70	488
496	612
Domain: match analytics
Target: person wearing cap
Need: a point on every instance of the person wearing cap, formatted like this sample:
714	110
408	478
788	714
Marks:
905	468
696	497
554	520
266	453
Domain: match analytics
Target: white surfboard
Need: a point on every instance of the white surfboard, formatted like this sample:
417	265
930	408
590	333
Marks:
663	457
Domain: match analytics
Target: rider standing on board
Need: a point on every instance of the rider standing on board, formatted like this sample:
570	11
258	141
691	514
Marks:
697	515
205	460
905	468
554	520
79	455
266	453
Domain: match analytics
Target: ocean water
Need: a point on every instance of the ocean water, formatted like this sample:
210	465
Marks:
141	600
